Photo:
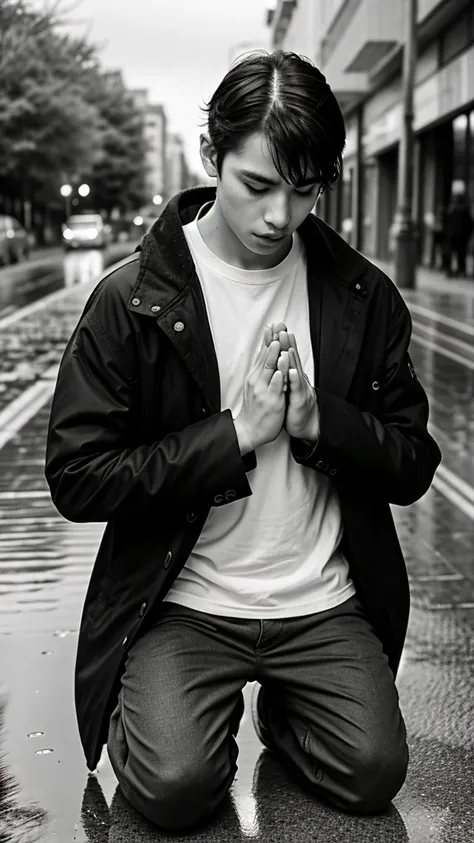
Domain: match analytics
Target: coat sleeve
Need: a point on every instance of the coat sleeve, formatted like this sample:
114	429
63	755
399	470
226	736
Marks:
94	473
388	454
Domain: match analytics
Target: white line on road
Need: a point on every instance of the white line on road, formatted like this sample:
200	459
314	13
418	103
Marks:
454	480
22	409
453	496
444	320
443	351
430	332
16	495
437	578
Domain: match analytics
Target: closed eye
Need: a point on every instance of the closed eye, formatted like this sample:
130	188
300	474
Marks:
262	190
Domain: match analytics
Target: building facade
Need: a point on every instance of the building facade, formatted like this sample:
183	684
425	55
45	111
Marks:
155	128
358	44
177	169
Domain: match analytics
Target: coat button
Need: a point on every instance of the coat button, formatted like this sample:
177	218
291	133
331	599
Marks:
230	495
155	308
219	499
142	610
375	385
168	559
136	302
178	326
333	472
191	516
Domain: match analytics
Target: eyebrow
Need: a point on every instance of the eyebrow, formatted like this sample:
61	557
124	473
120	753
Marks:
258	177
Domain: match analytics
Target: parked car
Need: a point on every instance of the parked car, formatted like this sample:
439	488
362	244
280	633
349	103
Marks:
14	241
86	231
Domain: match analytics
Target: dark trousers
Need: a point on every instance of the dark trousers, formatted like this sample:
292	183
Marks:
331	710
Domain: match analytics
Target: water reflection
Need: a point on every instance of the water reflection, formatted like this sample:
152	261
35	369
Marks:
83	266
284	812
18	822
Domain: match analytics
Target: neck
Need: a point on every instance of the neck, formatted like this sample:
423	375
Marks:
222	241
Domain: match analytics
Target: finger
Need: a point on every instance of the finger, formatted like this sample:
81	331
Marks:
267	335
276	381
276	328
270	360
295	373
283	366
284	339
296	361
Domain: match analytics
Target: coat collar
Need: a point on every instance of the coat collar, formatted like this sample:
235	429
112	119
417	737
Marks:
167	288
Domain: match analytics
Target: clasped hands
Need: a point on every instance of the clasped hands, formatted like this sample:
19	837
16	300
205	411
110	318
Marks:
302	412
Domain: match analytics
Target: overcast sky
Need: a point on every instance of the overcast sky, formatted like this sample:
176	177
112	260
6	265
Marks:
178	49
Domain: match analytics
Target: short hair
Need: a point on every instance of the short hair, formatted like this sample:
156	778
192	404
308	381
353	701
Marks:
283	95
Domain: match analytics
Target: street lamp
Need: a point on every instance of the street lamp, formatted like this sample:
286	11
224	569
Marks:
405	242
84	190
66	190
157	199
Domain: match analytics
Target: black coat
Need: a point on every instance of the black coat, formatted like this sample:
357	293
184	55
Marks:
137	437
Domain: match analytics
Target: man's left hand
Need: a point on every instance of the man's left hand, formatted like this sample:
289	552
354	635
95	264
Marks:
302	414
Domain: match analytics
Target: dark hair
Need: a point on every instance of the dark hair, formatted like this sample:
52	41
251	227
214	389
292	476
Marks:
287	98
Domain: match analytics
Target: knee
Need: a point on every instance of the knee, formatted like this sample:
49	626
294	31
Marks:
378	774
177	799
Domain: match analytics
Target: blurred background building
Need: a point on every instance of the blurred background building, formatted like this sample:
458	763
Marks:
358	45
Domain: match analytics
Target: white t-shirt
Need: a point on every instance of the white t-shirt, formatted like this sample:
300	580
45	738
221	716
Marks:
275	553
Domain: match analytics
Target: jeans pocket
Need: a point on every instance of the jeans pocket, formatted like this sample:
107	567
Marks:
170	611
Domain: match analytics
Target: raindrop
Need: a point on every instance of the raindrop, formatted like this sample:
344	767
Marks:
61	633
47	652
35	734
43	751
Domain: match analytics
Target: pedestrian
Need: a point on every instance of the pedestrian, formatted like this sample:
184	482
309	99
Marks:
458	230
238	404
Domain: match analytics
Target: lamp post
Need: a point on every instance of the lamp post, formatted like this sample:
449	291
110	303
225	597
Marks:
66	190
405	234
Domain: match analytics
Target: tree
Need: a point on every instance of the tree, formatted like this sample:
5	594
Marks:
62	118
117	177
48	127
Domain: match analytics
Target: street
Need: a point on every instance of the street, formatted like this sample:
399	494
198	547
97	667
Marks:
44	568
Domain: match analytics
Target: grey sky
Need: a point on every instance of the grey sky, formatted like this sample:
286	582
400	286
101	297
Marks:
178	49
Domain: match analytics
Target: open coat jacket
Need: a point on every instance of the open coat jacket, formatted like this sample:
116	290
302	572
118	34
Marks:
137	437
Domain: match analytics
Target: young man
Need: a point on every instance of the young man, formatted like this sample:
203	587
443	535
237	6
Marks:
238	403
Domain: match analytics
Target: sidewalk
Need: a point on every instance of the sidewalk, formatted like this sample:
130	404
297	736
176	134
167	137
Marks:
33	339
430	280
45	564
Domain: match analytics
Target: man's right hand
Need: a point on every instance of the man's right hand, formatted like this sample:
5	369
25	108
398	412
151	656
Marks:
264	403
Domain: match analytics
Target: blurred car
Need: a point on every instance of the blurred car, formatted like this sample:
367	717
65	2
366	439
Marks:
14	241
86	231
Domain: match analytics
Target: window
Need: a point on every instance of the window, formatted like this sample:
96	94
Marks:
457	37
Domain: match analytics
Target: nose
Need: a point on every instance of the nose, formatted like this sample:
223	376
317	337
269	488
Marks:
277	213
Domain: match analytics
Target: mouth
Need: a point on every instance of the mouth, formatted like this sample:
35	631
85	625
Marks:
271	237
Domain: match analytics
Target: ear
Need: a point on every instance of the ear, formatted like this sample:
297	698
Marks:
208	155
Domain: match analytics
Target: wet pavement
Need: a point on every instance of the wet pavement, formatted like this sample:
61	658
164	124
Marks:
44	567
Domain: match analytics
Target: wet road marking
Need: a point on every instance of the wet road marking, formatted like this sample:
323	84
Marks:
438	577
19	314
23	408
452	487
443	320
37	493
444	351
463	346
